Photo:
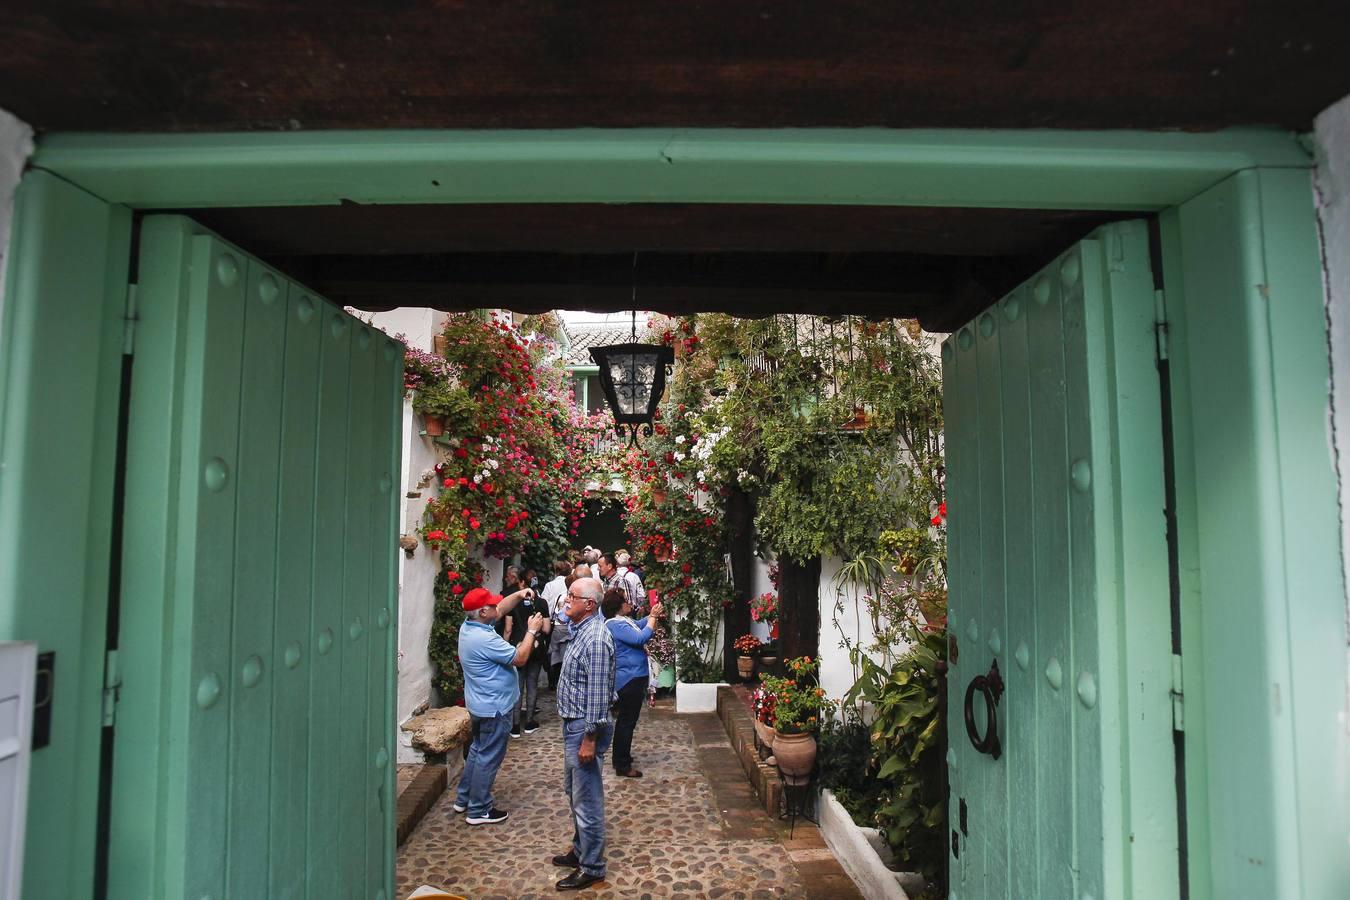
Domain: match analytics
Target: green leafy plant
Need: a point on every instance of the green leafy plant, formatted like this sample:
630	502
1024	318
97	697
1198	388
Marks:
848	769
907	750
443	399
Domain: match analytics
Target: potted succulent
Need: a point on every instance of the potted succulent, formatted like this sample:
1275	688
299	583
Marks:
799	706
747	645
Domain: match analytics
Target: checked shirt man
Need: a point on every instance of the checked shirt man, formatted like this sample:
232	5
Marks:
585	692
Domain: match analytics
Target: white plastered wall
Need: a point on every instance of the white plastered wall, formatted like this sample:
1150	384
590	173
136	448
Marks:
16	145
1333	209
416	575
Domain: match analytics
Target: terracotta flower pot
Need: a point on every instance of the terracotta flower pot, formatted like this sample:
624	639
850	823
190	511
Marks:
765	733
745	666
796	753
439	344
658	496
433	425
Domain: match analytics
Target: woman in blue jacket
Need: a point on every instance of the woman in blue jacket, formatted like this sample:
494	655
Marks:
630	672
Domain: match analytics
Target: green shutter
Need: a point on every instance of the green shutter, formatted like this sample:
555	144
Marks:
1059	572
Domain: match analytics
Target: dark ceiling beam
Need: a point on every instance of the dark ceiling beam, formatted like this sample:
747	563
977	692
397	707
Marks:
357	230
344	64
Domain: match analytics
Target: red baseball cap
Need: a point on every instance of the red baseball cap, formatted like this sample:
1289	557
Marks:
480	597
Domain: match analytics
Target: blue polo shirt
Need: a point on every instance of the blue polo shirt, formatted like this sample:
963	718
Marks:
491	687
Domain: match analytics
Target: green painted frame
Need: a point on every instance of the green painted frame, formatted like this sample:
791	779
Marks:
1239	199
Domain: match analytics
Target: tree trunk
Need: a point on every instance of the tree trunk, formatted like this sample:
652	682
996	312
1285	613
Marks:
798	607
741	534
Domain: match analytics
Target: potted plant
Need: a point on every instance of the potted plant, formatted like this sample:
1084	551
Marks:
762	700
764	608
799	705
437	401
747	645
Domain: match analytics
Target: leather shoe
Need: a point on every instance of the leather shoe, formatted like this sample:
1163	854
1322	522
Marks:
567	860
578	880
629	772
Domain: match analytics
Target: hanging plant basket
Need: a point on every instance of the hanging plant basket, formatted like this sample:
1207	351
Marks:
434	426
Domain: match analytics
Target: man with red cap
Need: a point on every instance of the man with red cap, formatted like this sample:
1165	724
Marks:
491	690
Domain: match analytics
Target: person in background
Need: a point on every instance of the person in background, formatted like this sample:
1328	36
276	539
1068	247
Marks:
615	576
510	584
630	672
530	580
585	690
562	628
558	635
490	692
523	720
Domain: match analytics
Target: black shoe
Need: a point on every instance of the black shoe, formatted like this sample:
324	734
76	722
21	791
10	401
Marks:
567	860
531	726
578	880
515	731
492	818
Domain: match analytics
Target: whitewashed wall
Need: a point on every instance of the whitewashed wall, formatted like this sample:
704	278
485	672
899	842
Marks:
416	576
1333	205
16	145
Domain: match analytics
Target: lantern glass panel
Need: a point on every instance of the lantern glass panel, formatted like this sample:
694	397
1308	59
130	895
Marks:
633	376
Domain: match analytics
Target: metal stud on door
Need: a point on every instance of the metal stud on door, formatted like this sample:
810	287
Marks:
1062	779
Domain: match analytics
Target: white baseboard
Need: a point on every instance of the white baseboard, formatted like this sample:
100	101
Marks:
697	698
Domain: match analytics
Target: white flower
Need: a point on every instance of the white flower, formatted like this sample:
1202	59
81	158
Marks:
680	456
679	439
478	479
494	463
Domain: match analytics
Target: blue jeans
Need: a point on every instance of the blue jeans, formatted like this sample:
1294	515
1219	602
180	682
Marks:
586	795
490	736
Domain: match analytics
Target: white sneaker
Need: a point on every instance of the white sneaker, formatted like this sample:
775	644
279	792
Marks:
459	809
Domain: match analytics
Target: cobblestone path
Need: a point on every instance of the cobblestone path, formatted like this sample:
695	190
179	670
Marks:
690	828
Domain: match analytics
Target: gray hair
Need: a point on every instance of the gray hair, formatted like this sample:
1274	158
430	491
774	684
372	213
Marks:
589	588
622	558
592	556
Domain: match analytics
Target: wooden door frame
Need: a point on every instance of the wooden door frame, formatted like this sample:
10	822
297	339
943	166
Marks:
1238	241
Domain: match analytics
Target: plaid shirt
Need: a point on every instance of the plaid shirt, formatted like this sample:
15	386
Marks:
626	579
586	685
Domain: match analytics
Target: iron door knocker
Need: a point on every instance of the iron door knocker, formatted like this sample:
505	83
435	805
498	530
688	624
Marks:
991	687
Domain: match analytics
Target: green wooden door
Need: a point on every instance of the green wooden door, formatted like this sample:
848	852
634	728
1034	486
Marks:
255	728
1059	573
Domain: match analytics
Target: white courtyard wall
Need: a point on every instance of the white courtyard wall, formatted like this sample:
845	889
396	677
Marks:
16	145
1333	206
416	575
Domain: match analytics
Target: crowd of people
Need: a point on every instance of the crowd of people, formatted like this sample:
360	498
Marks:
587	627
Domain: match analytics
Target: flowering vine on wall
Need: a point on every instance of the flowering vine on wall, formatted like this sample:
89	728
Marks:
515	468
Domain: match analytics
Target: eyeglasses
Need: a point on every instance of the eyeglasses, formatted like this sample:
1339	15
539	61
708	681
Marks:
572	596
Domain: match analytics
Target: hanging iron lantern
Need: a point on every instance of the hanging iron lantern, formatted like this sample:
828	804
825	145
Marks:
633	377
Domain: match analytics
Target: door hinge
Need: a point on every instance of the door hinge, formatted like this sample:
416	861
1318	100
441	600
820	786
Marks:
1160	323
112	684
129	320
1178	696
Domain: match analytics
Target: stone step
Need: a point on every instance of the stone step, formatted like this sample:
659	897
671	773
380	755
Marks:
740	728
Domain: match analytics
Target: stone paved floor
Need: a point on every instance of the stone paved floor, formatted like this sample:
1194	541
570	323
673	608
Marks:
690	828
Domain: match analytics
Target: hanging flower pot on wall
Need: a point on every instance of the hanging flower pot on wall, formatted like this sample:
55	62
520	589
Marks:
434	426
